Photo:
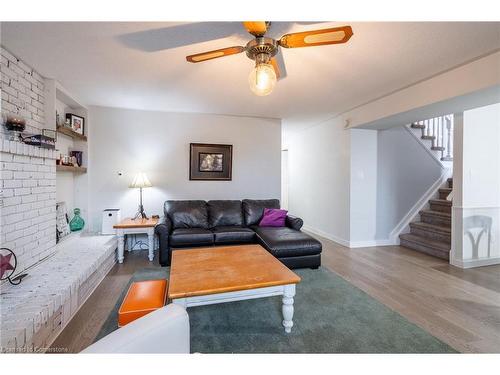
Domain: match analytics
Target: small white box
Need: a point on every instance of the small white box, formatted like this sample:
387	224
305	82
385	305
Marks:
110	217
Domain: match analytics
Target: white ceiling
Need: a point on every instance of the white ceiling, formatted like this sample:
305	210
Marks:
142	65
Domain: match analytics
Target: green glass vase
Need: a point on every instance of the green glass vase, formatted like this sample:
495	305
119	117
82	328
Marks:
77	223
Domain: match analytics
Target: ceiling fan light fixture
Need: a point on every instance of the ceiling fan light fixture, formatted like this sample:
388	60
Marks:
262	79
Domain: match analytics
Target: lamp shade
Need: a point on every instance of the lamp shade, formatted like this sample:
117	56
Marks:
140	181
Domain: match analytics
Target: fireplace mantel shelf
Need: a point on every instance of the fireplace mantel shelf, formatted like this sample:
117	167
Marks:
19	148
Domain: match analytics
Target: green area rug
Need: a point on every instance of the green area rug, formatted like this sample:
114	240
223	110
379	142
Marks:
331	316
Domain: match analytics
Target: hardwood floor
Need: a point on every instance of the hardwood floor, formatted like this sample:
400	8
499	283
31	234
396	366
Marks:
460	307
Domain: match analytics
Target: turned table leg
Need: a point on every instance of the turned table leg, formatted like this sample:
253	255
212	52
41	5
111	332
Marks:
151	244
121	245
287	309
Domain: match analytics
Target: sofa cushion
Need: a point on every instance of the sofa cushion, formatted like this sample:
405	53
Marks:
286	242
253	209
191	237
234	234
187	214
273	217
224	213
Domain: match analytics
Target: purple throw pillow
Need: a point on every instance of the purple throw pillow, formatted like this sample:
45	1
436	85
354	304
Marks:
273	217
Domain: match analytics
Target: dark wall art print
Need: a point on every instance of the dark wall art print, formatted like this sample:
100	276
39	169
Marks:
210	162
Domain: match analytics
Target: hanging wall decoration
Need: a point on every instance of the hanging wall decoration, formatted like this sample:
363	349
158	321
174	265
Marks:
8	264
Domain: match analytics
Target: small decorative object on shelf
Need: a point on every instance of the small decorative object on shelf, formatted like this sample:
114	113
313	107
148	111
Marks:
66	160
39	140
62	221
77	223
8	264
59	121
77	123
15	123
78	157
50	133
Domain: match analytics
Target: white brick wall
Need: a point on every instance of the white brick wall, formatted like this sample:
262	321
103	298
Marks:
27	173
27	202
22	92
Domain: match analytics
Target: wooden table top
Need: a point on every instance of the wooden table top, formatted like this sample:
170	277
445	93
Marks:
137	223
211	270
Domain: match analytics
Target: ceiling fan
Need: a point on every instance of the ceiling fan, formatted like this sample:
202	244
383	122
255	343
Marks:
263	49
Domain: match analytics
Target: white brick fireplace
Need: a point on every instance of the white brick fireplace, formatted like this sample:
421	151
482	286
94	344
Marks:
27	173
27	202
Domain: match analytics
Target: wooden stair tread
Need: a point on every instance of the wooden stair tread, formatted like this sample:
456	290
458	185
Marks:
445	190
444	215
442	202
431	227
436	245
418	126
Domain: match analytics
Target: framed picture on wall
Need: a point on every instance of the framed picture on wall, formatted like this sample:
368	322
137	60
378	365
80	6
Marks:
77	123
212	162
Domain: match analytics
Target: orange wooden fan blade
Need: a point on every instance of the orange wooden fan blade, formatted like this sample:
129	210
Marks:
214	54
256	28
311	38
276	68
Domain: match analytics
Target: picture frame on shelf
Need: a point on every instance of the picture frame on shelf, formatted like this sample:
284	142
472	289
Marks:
77	123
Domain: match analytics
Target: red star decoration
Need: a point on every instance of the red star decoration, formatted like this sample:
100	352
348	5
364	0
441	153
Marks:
5	264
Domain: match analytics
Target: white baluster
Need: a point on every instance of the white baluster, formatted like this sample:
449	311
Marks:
448	139
440	132
433	132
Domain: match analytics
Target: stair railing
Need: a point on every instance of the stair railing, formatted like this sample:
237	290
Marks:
439	130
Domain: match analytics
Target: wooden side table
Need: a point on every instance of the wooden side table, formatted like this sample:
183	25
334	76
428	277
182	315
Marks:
137	226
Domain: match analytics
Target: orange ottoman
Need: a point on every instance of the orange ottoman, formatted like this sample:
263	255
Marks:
142	298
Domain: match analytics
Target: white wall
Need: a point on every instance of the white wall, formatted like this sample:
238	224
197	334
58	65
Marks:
481	155
363	186
468	86
319	179
476	188
405	172
355	186
157	143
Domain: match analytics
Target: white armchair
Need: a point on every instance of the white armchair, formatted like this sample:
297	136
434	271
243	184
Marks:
165	330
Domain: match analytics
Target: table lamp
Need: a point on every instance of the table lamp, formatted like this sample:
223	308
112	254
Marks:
140	181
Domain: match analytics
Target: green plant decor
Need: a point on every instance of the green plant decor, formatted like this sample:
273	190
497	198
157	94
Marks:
77	223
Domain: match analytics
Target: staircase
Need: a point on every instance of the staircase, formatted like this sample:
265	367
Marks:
432	234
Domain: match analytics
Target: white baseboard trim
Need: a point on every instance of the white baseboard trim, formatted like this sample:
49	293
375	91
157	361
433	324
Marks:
351	244
328	236
419	205
372	243
472	263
